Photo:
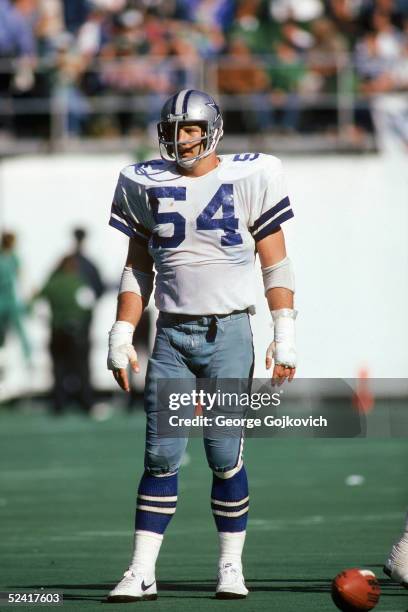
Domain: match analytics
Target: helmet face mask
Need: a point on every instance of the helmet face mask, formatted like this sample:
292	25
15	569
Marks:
169	138
194	108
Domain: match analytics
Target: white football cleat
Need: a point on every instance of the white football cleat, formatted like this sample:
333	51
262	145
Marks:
134	586
231	583
396	566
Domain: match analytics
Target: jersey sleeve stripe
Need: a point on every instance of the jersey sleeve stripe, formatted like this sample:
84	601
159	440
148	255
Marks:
128	231
119	212
273	225
122	217
270	213
116	212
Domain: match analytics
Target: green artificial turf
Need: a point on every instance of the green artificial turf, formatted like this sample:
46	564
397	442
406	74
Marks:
67	494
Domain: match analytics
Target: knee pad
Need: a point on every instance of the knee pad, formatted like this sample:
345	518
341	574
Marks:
225	460
162	460
228	473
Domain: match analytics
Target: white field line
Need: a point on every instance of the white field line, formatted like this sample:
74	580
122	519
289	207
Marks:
45	473
81	428
83	535
307	521
254	525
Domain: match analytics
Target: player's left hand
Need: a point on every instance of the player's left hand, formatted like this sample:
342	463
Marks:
284	357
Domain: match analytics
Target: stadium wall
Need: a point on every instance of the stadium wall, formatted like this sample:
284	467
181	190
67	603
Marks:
348	243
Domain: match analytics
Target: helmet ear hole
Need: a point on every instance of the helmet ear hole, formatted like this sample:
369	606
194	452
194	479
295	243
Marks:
165	132
168	131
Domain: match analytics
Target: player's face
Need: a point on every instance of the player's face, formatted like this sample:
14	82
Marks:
190	143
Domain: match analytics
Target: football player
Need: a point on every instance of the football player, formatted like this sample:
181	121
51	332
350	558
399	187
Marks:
396	566
197	218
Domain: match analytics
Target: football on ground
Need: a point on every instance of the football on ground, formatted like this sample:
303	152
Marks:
355	589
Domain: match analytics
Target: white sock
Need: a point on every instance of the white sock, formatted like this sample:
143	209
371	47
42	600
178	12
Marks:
399	553
231	547
146	550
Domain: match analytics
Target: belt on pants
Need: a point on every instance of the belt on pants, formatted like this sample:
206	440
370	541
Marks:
176	318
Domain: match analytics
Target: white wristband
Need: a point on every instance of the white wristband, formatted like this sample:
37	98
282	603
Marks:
289	313
284	336
121	349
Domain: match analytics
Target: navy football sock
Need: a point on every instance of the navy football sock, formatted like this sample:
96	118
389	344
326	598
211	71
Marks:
230	502
156	502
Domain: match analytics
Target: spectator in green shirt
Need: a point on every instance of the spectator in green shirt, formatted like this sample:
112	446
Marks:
71	302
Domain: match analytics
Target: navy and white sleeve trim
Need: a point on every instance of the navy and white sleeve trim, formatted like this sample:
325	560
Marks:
271	220
121	221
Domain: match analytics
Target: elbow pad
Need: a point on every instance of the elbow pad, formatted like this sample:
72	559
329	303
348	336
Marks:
279	275
138	282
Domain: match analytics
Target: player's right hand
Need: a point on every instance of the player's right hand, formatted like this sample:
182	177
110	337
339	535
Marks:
122	353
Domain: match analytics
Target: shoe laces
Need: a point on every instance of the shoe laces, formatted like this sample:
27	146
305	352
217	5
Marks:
229	573
129	576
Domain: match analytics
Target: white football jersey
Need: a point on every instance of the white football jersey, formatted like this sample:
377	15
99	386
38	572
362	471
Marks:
201	232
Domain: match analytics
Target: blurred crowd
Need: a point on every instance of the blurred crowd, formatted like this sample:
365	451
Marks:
272	53
71	292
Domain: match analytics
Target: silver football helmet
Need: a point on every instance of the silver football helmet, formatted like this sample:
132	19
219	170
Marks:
194	107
